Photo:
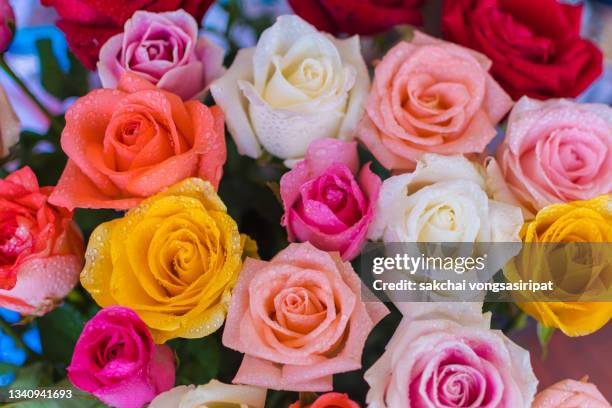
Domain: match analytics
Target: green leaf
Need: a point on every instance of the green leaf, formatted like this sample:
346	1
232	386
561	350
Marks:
32	376
544	335
199	360
59	332
79	399
55	81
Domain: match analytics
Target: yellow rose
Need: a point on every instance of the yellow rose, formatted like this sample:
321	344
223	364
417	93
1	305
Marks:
577	222
174	260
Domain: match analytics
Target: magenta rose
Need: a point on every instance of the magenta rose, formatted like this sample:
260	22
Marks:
164	48
7	25
116	360
327	200
445	355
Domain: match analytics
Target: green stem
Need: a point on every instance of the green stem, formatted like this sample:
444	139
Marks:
55	126
8	329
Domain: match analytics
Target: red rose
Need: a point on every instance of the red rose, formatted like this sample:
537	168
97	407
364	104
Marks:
329	400
87	24
41	249
357	16
535	46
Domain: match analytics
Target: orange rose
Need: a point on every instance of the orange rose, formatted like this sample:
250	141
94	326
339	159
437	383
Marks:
127	144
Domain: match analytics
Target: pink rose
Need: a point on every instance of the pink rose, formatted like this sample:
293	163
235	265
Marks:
116	360
445	355
570	394
41	248
429	95
7	25
324	203
557	151
299	319
164	49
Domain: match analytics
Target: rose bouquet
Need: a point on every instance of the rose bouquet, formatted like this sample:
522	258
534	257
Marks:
193	225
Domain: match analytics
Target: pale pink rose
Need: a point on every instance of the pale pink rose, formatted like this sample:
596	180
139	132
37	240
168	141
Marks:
445	355
328	201
116	360
164	48
557	151
571	394
429	95
299	319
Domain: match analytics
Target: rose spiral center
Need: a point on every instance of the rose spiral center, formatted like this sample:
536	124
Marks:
14	238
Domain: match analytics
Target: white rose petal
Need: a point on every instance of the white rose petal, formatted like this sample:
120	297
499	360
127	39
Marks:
213	393
296	86
446	199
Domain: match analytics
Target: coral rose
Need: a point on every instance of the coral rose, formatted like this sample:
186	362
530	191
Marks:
557	151
299	319
174	260
324	202
445	355
9	125
570	394
530	57
89	24
587	223
164	49
127	144
357	16
213	394
116	360
329	400
446	199
41	249
431	96
296	86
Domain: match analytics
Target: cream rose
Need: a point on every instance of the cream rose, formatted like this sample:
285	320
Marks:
296	86
446	199
213	394
9	125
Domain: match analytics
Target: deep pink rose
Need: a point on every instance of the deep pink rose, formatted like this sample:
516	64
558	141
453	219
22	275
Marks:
557	151
7	24
299	319
116	360
164	49
445	355
325	203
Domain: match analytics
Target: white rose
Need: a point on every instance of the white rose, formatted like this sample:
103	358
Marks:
213	394
446	199
445	354
296	86
9	125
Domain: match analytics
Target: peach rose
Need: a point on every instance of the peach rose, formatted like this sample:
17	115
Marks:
299	319
127	144
432	96
570	394
557	151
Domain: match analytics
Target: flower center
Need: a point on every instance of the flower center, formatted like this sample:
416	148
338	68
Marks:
14	239
334	197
